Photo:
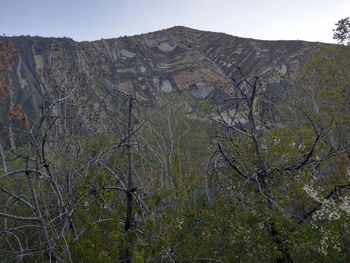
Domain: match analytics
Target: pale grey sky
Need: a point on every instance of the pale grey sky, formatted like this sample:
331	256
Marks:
311	20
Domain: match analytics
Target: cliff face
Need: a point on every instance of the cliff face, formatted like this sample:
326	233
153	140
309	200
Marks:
178	59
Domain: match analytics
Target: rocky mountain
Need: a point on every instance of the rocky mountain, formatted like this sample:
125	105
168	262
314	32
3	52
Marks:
179	59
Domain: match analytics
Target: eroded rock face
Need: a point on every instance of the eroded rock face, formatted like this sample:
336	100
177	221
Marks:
178	59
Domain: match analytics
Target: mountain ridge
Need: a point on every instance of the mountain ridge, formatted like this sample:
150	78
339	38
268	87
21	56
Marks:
176	27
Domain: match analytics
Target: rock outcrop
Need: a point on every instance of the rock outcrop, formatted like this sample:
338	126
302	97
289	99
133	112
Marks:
177	59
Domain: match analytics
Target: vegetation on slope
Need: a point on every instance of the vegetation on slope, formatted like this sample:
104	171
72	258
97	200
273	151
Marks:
258	179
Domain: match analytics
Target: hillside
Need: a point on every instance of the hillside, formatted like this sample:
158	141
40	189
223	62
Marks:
178	59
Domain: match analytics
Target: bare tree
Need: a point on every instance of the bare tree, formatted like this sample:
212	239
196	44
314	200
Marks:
40	202
246	119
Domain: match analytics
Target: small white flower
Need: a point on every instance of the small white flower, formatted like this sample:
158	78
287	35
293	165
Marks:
334	215
301	147
276	140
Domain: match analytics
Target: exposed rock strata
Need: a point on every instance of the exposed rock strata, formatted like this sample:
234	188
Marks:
178	59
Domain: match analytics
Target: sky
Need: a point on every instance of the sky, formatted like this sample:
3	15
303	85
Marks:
311	20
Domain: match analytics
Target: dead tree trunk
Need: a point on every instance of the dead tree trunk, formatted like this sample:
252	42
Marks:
129	197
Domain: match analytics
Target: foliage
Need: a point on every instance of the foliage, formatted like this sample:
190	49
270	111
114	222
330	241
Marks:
342	31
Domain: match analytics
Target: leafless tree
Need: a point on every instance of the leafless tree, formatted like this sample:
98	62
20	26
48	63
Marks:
247	118
36	212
